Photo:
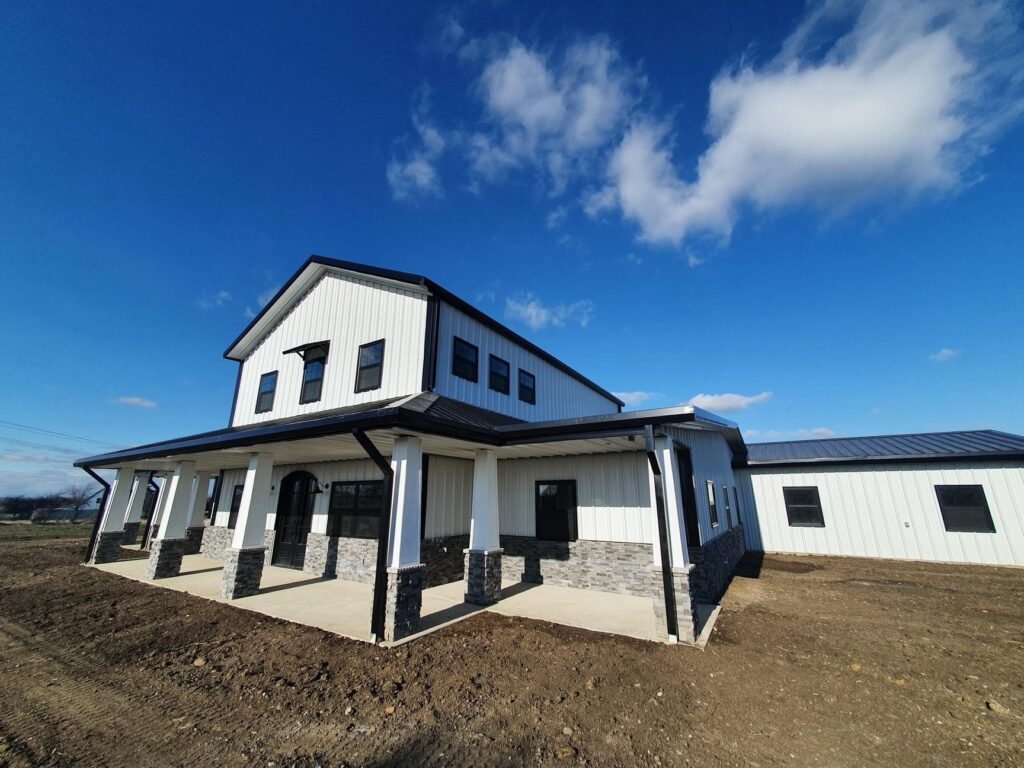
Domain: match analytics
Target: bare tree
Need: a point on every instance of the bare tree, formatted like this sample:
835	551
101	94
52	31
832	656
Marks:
76	496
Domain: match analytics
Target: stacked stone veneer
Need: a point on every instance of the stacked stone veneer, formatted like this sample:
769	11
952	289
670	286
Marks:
216	540
356	559
444	559
483	576
165	558
714	565
605	566
686	615
404	601
243	569
107	548
194	539
131	533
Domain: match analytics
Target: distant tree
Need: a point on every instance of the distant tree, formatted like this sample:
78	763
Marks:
76	496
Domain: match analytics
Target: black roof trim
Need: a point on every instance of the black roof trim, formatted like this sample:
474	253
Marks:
437	290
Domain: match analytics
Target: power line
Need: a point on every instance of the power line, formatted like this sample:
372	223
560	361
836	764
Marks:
44	446
26	428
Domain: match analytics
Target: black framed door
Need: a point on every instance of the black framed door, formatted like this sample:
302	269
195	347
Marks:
294	518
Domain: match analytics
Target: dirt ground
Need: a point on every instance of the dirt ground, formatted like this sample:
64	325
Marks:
813	662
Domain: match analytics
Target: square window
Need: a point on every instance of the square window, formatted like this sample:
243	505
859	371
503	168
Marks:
370	366
527	387
265	396
964	509
498	375
355	509
803	507
464	359
556	510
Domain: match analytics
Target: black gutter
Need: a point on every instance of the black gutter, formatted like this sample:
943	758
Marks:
671	622
430	342
234	398
99	514
380	578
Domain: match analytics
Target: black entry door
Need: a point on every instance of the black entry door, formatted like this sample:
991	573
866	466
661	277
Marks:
294	518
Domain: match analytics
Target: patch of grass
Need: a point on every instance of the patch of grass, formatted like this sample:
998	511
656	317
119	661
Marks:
21	532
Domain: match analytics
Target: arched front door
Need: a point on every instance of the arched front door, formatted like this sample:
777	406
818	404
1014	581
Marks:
294	518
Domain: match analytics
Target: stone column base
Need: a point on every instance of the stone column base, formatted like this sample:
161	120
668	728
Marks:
686	617
108	547
194	539
165	558
404	600
131	533
243	569
483	576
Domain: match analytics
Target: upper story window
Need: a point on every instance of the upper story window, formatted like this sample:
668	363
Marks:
964	509
370	366
464	359
315	357
265	397
712	504
498	375
556	510
803	507
527	387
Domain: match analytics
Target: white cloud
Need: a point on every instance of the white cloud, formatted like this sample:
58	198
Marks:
693	260
261	301
632	258
415	175
898	106
136	402
557	217
531	311
219	299
817	433
943	355
632	399
728	402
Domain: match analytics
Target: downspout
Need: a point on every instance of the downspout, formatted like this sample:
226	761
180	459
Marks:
149	517
380	578
659	505
99	514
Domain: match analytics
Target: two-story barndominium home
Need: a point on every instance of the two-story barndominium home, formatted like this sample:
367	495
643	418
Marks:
384	431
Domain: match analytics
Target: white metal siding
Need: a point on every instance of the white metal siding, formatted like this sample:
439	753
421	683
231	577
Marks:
886	511
449	496
348	312
229	479
712	460
613	498
559	395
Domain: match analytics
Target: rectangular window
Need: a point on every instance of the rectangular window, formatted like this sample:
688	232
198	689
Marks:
370	366
964	509
803	507
527	387
712	505
464	359
728	506
313	373
236	504
355	509
556	510
498	375
265	397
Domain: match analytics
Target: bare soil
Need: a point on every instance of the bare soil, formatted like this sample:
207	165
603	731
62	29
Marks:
813	661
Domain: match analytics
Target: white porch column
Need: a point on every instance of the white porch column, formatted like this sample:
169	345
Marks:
107	547
406	506
483	558
197	516
672	477
168	547
135	508
243	561
160	507
405	571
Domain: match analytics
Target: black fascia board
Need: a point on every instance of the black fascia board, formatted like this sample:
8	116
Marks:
440	292
936	458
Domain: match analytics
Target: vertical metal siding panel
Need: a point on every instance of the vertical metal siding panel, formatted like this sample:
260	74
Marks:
712	460
449	497
232	477
558	394
613	500
348	312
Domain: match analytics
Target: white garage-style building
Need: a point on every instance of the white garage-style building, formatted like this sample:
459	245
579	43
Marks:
386	434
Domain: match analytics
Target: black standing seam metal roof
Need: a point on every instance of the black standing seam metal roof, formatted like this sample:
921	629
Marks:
461	304
927	446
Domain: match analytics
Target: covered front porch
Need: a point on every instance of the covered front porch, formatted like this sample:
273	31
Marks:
343	607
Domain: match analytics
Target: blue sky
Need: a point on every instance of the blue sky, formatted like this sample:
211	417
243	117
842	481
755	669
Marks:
806	217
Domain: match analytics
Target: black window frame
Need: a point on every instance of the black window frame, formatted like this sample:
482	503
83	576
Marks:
475	377
309	357
336	518
491	383
572	516
272	392
736	503
793	507
946	508
236	504
728	506
360	367
532	399
712	504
